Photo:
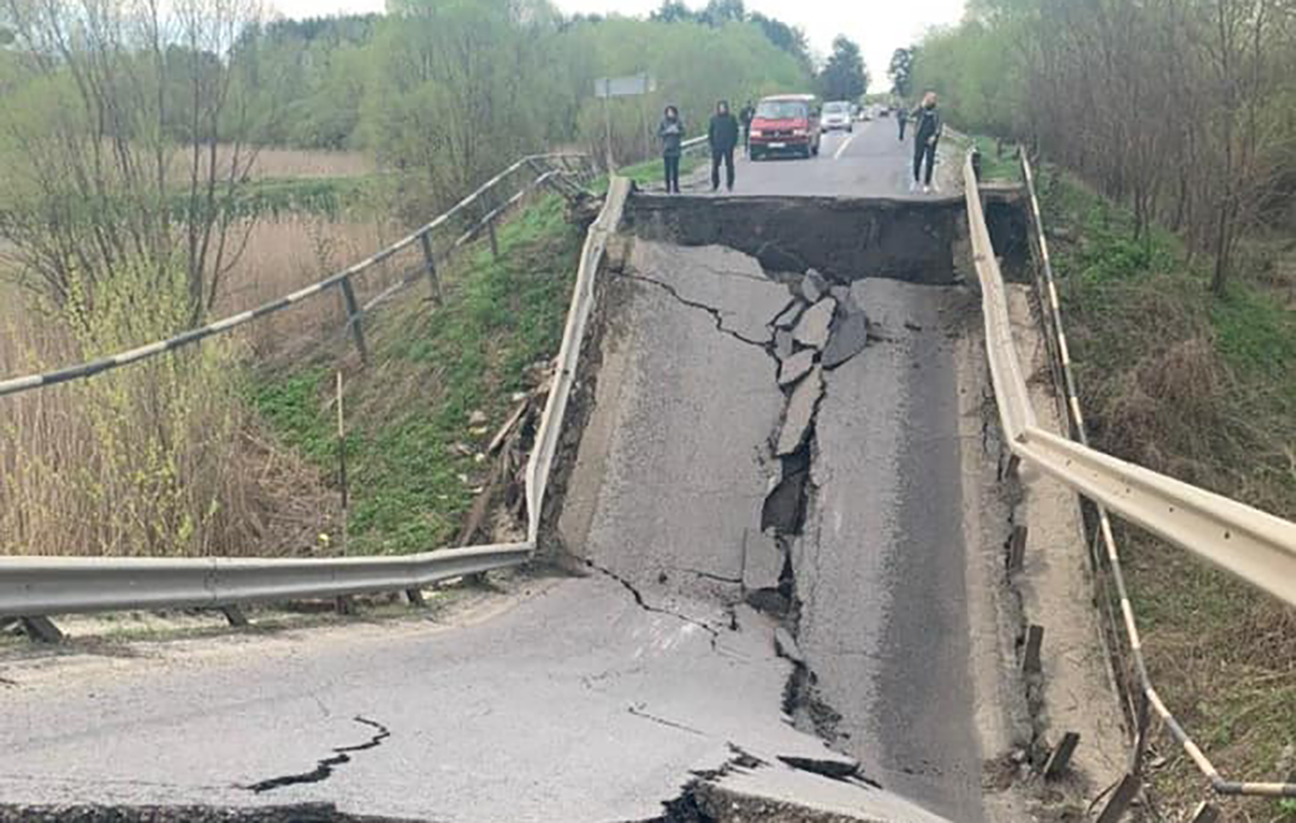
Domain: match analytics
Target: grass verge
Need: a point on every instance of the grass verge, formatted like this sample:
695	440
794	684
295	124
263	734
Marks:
441	379
650	172
1202	388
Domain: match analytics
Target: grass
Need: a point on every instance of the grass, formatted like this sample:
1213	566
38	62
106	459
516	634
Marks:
411	449
650	172
998	162
1203	388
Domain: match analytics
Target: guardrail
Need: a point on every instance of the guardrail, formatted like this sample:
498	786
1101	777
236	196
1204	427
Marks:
41	586
1254	545
342	280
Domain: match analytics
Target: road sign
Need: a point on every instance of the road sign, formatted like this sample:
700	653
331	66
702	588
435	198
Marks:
634	85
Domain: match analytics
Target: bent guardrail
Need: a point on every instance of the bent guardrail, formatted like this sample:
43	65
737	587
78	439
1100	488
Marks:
43	586
1251	544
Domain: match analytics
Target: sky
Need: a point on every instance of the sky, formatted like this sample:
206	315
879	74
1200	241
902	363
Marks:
879	26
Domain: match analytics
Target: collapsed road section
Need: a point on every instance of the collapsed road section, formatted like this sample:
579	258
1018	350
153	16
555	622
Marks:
776	506
798	452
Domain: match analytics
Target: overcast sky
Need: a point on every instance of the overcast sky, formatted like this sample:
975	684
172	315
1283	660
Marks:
879	26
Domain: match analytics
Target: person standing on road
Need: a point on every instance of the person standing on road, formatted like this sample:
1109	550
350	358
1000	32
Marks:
723	136
927	131
747	115
901	117
671	133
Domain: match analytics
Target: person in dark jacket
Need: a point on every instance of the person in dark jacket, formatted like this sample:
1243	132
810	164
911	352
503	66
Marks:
671	133
927	131
746	116
902	117
723	136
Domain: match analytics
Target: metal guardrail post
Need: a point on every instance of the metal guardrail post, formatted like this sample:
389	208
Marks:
41	629
354	316
1121	799
1060	758
1031	663
429	260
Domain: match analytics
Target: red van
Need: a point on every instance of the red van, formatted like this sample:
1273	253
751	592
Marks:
785	124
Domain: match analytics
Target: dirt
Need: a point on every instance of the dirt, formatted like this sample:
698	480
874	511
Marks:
1076	690
845	239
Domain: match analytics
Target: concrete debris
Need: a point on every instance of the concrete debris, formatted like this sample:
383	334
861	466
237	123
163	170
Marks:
797	366
800	413
784	507
815	324
813	286
836	768
849	337
478	418
783	343
789	316
295	813
762	562
786	646
842	294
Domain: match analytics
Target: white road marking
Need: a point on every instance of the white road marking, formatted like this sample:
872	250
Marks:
842	148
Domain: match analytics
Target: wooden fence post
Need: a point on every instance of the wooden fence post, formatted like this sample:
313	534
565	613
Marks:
430	260
353	318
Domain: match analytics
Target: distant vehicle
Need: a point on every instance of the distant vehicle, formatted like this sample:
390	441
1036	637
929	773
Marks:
884	111
786	124
837	115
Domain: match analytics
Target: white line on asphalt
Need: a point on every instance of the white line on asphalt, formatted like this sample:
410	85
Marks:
837	155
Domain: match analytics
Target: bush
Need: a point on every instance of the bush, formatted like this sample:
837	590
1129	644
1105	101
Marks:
145	460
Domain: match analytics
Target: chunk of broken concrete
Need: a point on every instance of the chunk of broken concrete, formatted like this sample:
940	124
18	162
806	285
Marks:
789	316
800	413
762	562
813	286
795	367
845	300
814	326
848	338
783	343
785	646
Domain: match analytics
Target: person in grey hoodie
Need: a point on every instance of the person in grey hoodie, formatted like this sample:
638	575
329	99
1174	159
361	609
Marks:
671	133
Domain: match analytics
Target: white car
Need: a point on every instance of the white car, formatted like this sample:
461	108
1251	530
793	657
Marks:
837	115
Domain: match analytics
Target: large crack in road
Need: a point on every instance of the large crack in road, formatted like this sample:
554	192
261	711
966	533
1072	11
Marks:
714	378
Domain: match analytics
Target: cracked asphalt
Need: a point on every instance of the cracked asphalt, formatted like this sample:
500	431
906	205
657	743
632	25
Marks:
601	697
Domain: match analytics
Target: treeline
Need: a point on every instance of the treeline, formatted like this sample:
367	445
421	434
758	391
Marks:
348	73
109	108
1185	110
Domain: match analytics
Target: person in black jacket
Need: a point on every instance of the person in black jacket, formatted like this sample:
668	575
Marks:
723	136
927	131
671	133
746	116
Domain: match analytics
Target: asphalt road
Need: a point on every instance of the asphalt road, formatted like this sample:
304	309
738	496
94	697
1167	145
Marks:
599	697
869	162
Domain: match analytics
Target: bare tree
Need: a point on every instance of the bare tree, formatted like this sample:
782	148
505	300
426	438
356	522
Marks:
127	141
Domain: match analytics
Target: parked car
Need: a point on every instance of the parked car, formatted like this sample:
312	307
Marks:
837	115
786	124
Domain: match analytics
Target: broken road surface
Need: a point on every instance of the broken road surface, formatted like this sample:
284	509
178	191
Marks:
749	450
